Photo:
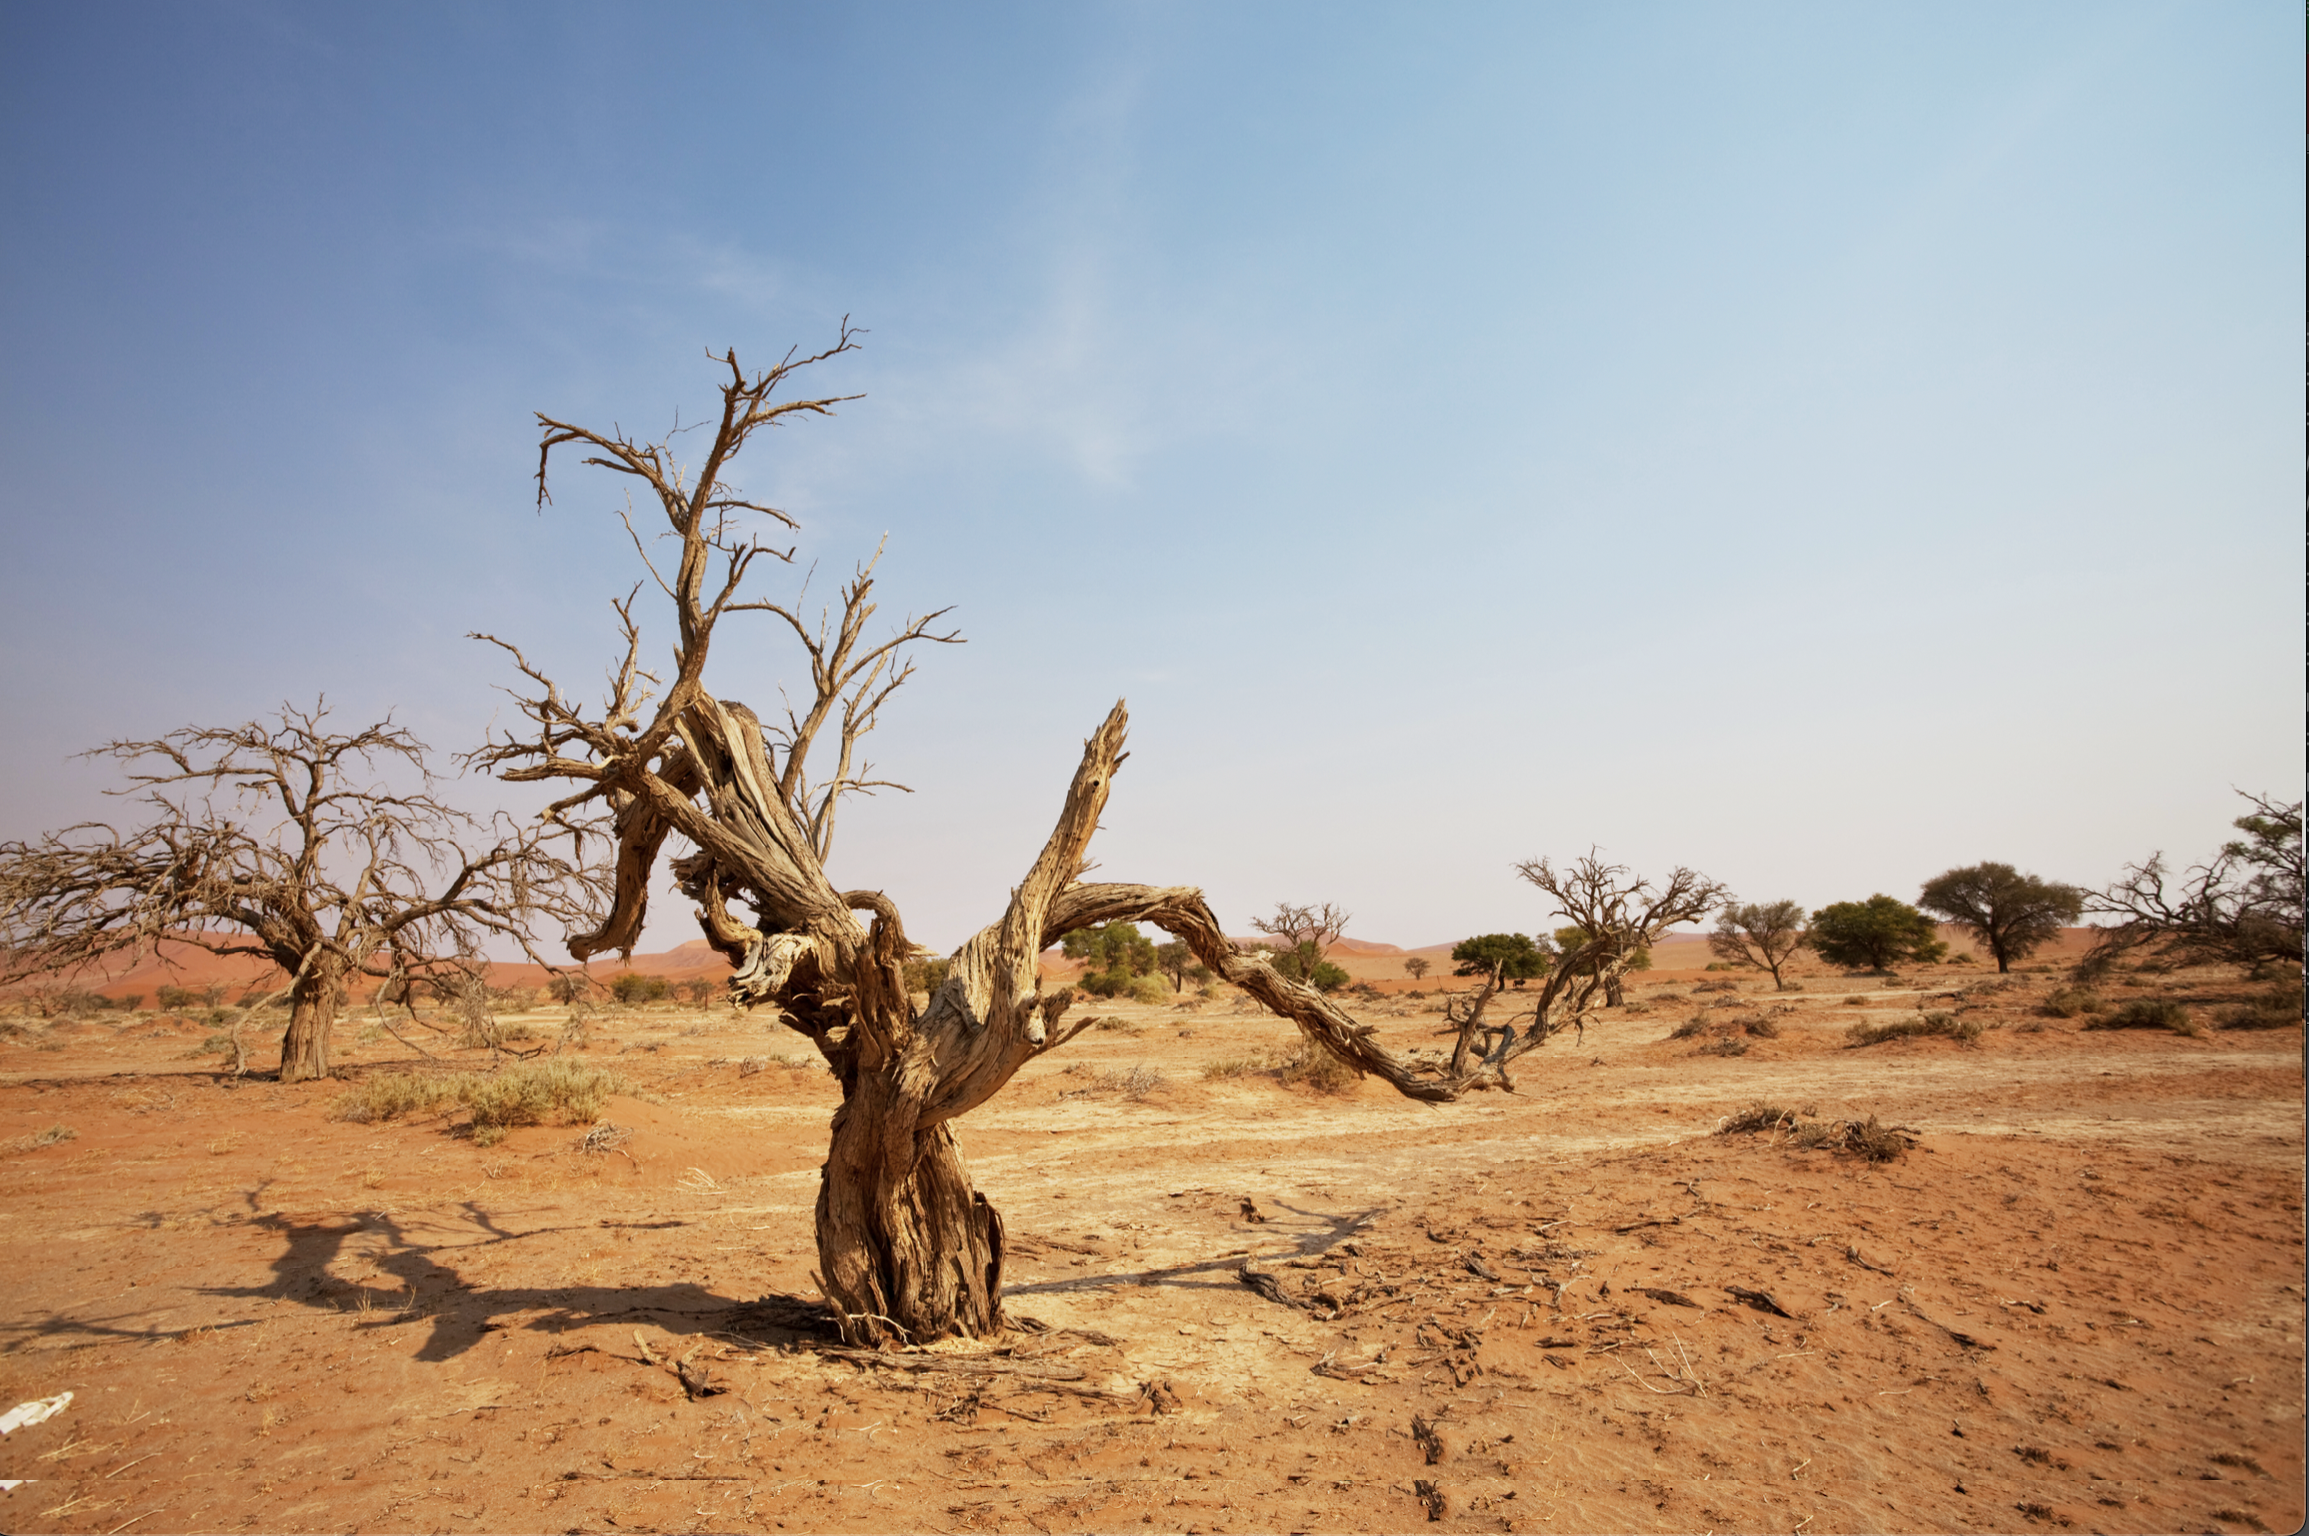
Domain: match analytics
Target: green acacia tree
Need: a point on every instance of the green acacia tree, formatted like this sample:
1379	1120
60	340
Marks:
2013	914
1113	954
1876	933
1504	957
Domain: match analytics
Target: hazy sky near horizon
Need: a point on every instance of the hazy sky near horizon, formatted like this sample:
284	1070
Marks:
1818	444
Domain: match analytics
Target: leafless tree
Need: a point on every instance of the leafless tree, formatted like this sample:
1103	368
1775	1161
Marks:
1306	935
1759	933
277	839
2242	906
1619	915
907	1247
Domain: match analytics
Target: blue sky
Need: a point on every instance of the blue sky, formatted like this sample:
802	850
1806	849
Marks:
1817	444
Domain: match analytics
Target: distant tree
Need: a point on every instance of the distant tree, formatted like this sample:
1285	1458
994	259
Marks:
1418	967
1504	957
630	988
274	839
2243	906
1306	935
1113	956
1759	933
1175	960
2013	914
1875	933
569	986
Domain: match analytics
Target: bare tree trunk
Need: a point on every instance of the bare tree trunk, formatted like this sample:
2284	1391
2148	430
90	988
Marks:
1614	995
904	1241
312	1013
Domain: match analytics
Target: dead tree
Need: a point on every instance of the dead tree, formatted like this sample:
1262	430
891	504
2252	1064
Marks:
907	1247
1307	934
1619	915
2242	906
276	840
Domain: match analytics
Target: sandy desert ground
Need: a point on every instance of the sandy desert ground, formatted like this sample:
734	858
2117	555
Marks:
2076	1303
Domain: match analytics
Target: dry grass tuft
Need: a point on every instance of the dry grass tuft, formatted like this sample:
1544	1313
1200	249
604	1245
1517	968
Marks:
1310	1066
1759	1116
48	1138
534	1093
2280	1009
1945	1025
2147	1013
2070	1002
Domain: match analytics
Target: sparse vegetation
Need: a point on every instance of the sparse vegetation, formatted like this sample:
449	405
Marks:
2071	1002
1869	1139
533	1093
1941	1025
1319	1070
2146	1013
2280	1009
1759	1116
47	1138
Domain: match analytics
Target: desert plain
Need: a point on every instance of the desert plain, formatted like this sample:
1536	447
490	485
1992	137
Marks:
2070	1299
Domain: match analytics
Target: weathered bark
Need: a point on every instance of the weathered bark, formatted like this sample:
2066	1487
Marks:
312	1015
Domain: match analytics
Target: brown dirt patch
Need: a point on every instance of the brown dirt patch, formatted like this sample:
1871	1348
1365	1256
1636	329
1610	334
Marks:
2077	1303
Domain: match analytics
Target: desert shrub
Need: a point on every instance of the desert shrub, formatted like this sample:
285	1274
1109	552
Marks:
1697	1024
129	1002
1759	1116
510	1033
1962	957
176	999
1813	1135
927	976
1948	1025
1232	1067
1313	1067
1728	1045
1875	1142
1719	965
2070	1002
533	1093
390	1095
2146	1013
2280	1009
1716	986
1133	1083
217	1042
569	987
1150	989
630	988
1112	1025
1761	1026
